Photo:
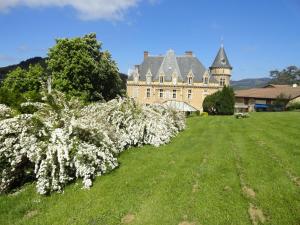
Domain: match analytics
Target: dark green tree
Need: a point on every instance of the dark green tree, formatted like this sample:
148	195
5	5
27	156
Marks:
225	101
220	103
80	69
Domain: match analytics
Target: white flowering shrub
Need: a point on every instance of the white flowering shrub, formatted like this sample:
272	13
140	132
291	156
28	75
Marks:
5	112
64	140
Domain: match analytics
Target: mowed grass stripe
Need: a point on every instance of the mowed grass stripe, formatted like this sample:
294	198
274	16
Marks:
275	193
219	200
171	202
284	145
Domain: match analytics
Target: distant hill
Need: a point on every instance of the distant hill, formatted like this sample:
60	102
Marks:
24	65
250	83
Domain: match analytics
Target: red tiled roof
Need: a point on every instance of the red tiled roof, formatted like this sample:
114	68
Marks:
270	92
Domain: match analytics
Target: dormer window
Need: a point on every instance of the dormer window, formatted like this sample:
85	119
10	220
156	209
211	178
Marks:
148	77
190	80
174	78
161	79
205	80
136	78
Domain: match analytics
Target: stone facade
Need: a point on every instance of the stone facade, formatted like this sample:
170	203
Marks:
183	79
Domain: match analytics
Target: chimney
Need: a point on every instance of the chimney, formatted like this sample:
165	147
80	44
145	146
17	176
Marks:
146	54
189	53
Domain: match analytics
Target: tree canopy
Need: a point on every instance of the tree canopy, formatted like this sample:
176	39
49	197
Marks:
23	84
79	68
289	75
220	103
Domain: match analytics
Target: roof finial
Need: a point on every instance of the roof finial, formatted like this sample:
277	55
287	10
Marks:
222	42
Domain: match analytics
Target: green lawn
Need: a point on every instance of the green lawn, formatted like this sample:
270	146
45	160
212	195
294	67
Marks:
220	170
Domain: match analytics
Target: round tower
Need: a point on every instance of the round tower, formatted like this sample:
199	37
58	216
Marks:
221	68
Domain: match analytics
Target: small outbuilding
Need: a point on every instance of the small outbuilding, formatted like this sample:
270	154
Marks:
261	99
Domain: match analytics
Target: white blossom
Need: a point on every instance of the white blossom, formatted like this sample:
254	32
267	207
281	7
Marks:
63	140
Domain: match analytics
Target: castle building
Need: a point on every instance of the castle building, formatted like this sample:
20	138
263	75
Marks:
179	81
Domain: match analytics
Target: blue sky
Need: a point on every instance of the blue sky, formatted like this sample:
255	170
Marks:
259	35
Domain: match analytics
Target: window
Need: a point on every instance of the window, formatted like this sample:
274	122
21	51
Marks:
190	80
189	94
161	93
174	80
174	93
222	81
161	79
205	80
148	92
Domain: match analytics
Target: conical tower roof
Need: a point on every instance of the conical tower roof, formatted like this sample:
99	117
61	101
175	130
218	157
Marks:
221	60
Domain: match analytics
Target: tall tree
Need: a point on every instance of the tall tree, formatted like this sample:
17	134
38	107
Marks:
220	103
80	69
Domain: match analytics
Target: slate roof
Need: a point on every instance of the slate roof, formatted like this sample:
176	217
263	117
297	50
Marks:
221	60
169	64
270	92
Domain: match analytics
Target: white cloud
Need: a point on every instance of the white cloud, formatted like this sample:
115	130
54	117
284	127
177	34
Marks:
87	9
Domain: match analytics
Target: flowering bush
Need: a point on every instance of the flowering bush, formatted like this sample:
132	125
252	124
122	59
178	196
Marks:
241	115
5	112
64	140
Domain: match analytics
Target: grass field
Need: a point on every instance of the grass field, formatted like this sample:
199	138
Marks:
220	170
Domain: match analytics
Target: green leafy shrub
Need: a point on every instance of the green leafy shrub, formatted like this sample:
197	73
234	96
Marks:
294	106
220	103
